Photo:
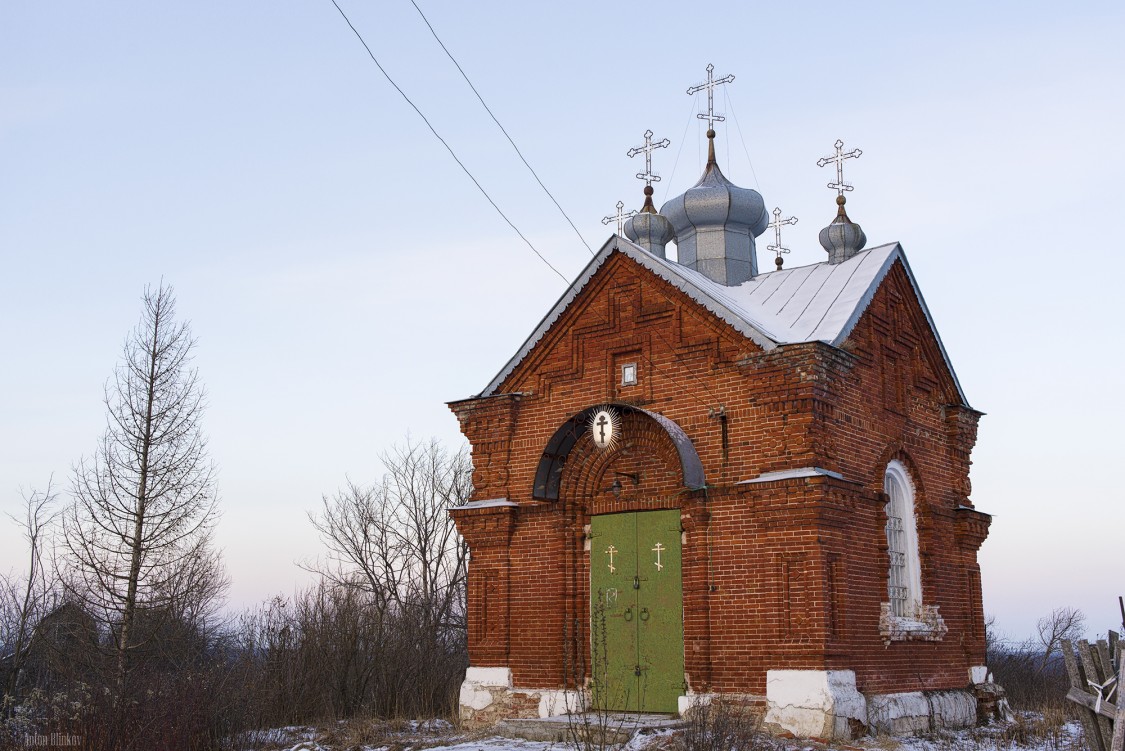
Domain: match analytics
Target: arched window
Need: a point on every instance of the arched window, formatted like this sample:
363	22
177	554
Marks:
904	579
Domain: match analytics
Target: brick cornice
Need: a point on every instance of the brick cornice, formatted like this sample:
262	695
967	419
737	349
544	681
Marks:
489	526
972	527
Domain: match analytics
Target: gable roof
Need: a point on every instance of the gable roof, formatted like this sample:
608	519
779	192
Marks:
820	302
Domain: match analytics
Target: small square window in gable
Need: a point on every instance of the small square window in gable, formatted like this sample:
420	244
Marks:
628	376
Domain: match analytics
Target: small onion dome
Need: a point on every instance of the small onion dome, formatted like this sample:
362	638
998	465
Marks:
843	238
649	229
715	222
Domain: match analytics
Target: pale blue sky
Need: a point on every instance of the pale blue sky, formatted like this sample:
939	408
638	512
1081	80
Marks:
334	262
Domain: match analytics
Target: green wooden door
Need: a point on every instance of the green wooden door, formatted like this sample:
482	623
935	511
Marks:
636	611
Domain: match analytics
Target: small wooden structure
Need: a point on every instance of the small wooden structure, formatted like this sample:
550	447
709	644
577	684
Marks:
1096	673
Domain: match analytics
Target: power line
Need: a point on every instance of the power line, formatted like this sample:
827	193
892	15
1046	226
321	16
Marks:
501	127
448	148
683	140
743	139
443	141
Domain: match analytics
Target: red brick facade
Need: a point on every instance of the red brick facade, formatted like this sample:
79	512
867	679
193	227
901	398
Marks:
784	574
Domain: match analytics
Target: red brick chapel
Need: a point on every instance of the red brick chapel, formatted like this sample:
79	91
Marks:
696	478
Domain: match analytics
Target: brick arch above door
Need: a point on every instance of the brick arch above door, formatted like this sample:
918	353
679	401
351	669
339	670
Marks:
548	475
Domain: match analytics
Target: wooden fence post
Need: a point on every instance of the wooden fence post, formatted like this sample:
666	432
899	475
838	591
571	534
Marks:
1078	688
1118	743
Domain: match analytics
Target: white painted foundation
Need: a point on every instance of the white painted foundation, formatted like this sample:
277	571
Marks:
806	703
919	712
478	688
487	696
826	704
814	703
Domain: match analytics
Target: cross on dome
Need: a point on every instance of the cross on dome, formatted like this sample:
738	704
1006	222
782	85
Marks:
710	85
619	217
648	175
777	224
840	186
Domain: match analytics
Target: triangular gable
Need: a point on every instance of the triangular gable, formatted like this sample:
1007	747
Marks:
667	270
899	255
819	302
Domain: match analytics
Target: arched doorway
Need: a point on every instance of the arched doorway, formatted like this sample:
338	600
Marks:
622	504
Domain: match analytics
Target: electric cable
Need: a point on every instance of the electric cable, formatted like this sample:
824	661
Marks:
443	141
501	127
570	284
742	138
683	140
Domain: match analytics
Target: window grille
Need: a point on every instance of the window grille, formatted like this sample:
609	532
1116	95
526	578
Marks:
897	590
905	616
898	549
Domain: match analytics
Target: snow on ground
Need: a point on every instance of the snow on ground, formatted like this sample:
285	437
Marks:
438	735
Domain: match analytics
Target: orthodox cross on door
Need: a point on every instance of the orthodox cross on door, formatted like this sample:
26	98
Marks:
611	551
619	217
712	82
648	175
658	549
777	224
840	186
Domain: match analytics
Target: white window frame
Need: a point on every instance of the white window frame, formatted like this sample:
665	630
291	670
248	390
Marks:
899	488
905	617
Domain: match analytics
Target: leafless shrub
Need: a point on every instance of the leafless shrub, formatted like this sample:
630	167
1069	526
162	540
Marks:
383	633
26	599
1032	671
330	653
592	723
724	724
395	540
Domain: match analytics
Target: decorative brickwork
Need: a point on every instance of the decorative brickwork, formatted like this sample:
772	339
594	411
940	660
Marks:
786	574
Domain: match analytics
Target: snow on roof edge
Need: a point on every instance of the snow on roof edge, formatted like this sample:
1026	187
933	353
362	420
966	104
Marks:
791	474
490	503
869	294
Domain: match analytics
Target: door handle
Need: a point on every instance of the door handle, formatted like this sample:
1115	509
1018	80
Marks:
644	614
628	614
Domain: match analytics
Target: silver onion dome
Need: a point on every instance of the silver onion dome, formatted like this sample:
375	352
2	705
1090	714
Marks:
715	223
843	238
649	229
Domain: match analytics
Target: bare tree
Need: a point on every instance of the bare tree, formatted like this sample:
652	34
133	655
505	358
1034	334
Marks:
137	536
1051	630
395	539
24	601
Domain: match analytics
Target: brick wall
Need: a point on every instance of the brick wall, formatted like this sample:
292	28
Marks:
784	574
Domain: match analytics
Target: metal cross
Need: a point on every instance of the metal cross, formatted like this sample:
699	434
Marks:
611	551
777	224
648	175
839	158
659	547
712	82
619	217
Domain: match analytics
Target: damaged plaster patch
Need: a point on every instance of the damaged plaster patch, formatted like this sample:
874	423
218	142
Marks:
815	703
